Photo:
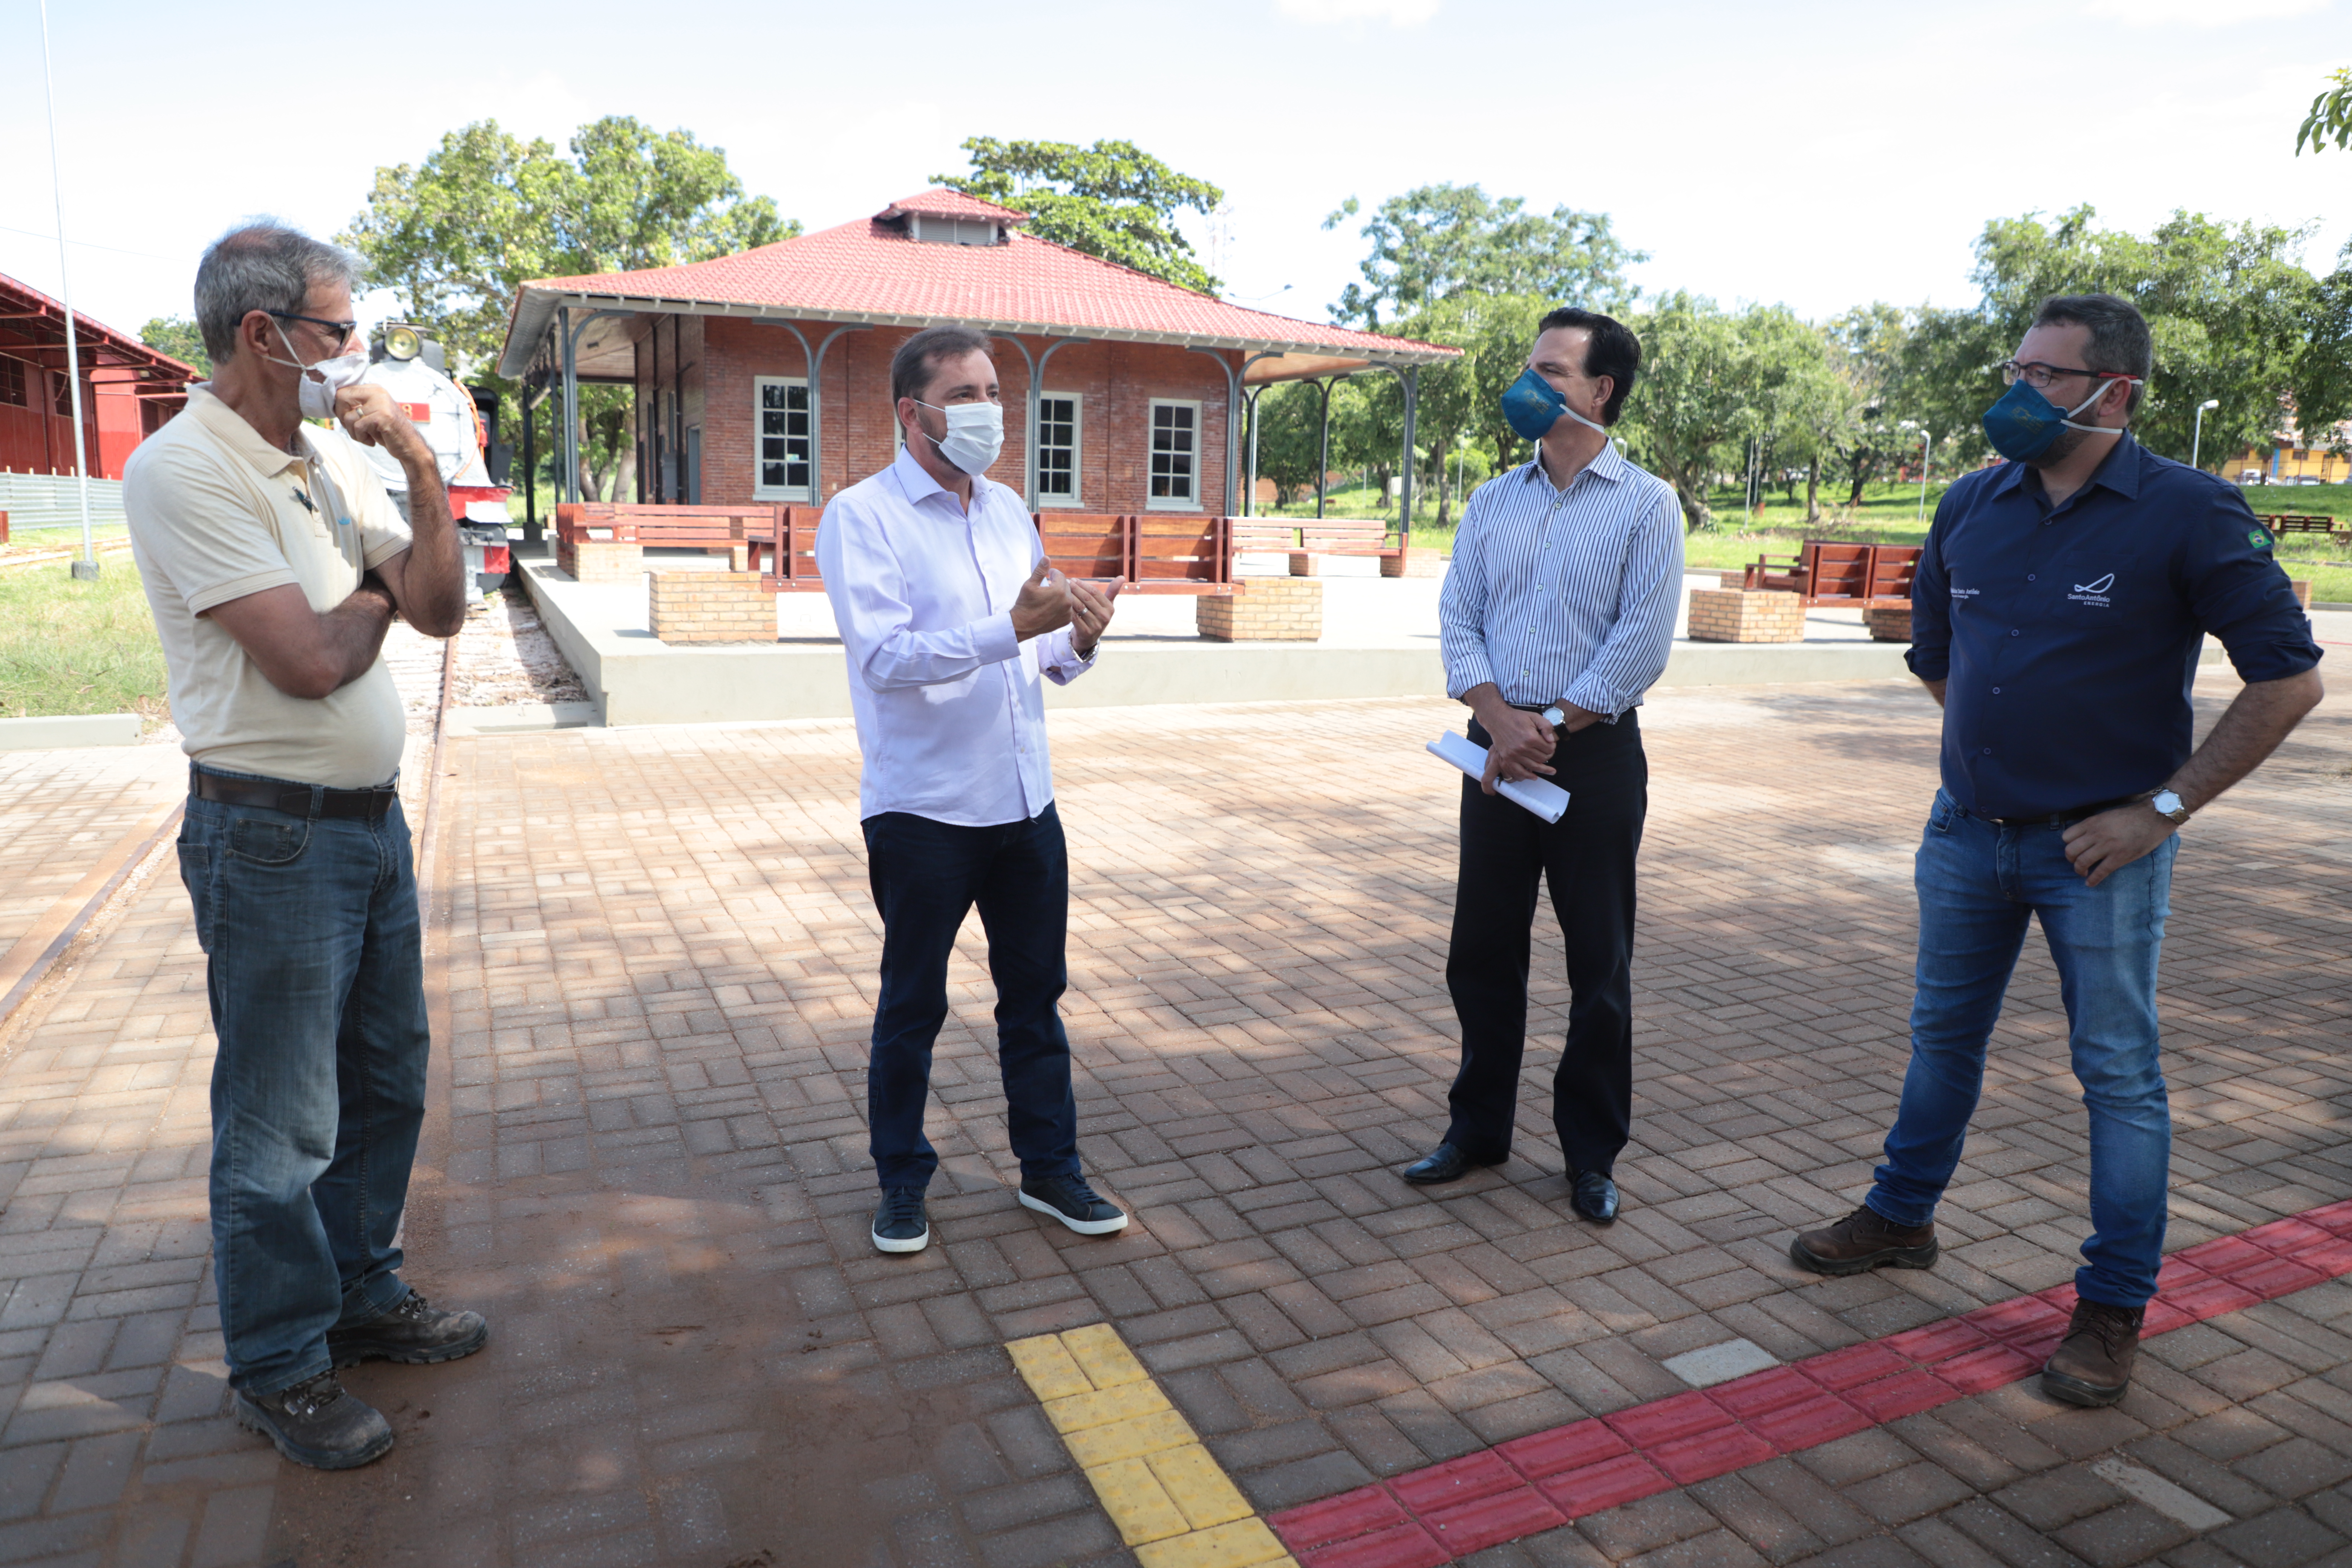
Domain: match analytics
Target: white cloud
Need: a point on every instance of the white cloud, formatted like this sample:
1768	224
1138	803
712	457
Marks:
1395	12
2200	13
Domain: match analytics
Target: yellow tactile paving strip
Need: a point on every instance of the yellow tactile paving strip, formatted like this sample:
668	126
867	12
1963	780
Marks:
1168	1495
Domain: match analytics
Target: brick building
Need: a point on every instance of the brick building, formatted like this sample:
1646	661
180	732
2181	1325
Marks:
128	389
765	375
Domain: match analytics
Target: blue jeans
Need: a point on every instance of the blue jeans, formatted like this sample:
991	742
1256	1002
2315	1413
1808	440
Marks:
926	876
1980	884
316	977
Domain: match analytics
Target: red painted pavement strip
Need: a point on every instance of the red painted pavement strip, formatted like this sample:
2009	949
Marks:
1429	1517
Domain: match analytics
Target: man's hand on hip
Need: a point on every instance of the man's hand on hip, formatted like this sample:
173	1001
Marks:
2099	846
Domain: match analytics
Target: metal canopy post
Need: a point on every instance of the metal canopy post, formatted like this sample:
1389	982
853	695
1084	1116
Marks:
1233	436
816	411
1323	452
1036	392
1250	500
571	336
1408	382
1234	394
530	472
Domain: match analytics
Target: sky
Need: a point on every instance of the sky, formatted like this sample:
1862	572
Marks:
1818	153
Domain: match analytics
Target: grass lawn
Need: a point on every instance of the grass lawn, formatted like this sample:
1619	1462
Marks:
1891	514
67	647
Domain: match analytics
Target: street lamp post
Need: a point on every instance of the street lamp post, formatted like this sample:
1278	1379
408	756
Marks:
1926	446
2197	442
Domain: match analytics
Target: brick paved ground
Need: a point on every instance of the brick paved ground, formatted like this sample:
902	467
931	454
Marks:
656	961
61	812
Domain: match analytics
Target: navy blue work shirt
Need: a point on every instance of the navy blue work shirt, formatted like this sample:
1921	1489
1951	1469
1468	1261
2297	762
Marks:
2069	635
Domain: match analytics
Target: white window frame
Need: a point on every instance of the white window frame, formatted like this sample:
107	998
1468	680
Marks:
1151	424
759	490
1076	499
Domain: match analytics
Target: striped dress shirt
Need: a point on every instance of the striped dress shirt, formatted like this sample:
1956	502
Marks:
1570	592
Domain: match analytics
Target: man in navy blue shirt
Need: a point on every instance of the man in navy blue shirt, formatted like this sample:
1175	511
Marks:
2057	616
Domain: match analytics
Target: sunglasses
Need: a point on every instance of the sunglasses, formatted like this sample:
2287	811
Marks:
341	331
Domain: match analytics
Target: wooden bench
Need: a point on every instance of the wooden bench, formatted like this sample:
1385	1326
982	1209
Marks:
2290	522
1181	554
1826	572
1349	536
791	551
1156	555
1094	545
739	532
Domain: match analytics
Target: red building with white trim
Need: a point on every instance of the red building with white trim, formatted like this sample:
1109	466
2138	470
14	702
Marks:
765	375
128	389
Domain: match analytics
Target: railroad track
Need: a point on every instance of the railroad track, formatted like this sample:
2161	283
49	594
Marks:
41	964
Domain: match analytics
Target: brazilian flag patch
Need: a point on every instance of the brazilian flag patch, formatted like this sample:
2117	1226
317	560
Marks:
2258	539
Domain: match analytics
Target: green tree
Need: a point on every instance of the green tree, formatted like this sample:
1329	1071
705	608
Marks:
2330	119
2233	313
179	337
455	237
1112	200
1691	401
1439	240
1289	439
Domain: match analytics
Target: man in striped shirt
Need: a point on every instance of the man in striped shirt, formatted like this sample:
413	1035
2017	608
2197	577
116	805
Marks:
1558	613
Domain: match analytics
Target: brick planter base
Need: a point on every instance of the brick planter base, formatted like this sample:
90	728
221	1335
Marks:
2302	586
597	560
1263	609
1732	615
1889	623
712	606
1735	581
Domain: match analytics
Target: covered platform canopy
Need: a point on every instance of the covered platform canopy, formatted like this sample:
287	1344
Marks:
941	255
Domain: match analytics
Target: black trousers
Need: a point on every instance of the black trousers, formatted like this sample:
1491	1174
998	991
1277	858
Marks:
1586	857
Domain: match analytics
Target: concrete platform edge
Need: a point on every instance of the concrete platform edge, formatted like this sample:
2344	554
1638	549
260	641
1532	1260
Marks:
61	731
637	679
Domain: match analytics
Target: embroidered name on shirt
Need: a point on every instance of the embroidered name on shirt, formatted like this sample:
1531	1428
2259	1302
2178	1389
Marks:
2094	593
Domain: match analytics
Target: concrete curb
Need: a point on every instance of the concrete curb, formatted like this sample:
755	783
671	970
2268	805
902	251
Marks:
63	732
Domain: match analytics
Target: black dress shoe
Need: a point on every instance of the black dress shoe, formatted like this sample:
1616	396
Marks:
1443	1163
1595	1196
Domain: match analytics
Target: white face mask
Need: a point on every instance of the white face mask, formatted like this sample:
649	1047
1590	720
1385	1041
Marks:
322	380
975	434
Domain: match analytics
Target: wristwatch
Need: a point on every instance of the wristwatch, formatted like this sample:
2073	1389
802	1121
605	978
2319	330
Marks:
1554	717
2169	805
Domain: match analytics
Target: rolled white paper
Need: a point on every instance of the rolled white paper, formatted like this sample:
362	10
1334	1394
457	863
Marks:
1542	796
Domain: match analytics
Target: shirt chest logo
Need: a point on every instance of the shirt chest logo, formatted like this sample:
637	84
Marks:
2094	592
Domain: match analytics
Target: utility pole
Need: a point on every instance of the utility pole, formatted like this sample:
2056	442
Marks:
87	567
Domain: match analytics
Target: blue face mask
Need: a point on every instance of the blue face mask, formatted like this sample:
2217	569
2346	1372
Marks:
1533	405
2023	424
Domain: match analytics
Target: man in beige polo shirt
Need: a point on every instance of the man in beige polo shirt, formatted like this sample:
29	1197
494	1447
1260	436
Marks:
273	560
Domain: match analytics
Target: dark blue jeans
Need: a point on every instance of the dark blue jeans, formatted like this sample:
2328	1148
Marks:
1980	885
317	983
926	876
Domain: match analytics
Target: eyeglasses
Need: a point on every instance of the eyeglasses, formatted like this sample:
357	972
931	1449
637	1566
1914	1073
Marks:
343	330
2039	376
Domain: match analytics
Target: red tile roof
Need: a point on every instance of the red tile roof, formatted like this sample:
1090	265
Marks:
869	270
943	203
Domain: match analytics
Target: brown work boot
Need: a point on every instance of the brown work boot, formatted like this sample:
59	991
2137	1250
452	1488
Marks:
1864	1240
2093	1364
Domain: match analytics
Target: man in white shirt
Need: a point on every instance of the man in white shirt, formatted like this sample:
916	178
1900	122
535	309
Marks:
273	560
949	615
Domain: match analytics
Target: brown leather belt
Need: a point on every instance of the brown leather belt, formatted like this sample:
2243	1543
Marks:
294	799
